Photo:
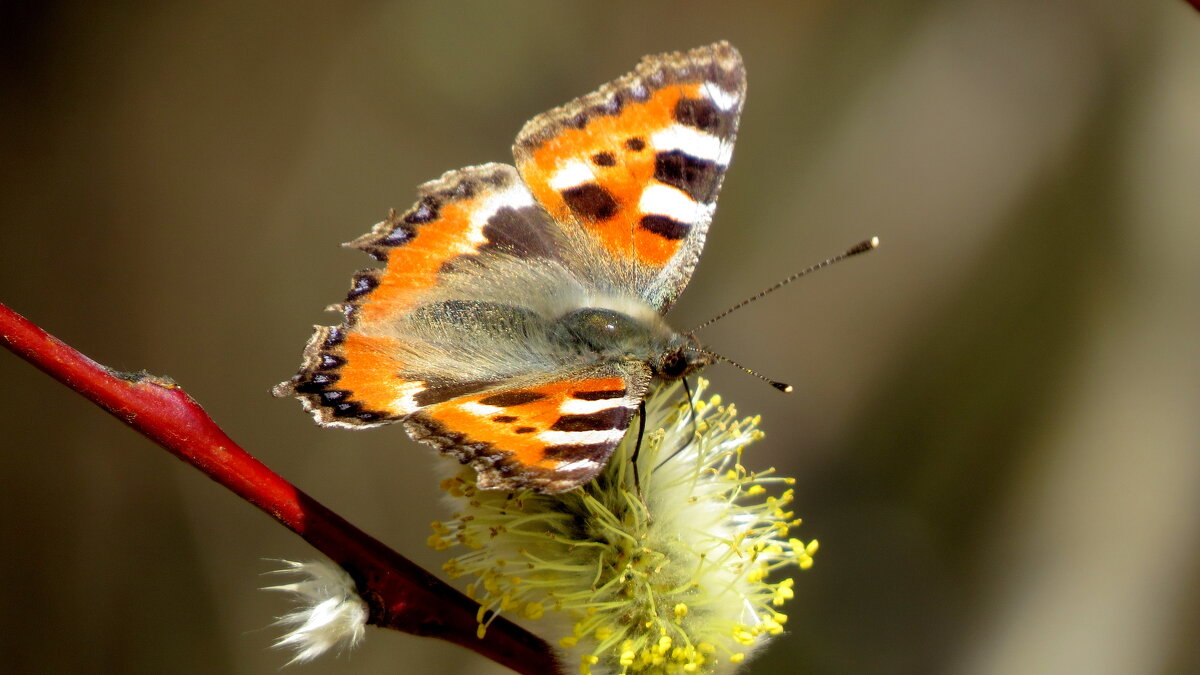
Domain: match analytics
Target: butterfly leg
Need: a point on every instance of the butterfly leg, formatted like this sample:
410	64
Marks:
687	389
691	419
637	448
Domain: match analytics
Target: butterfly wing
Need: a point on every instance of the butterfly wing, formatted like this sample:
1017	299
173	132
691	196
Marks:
398	339
453	336
639	162
550	433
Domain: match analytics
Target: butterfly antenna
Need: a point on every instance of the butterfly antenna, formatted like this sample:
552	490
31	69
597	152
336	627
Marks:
781	386
861	247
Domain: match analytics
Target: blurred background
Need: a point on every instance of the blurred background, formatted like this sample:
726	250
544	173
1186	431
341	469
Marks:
996	428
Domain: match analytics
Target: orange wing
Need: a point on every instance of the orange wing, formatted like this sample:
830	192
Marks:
638	163
356	374
549	435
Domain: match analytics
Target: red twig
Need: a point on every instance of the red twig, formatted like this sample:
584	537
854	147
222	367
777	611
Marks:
400	594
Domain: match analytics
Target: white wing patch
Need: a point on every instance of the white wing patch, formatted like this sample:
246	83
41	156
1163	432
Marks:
516	196
694	142
575	406
571	175
481	410
725	100
581	437
673	203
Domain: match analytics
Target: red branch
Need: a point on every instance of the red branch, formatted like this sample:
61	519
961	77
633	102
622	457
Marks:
401	595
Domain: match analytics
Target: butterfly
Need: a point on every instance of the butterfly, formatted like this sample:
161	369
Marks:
518	323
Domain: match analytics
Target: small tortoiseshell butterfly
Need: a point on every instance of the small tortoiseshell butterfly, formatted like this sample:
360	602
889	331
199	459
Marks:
519	321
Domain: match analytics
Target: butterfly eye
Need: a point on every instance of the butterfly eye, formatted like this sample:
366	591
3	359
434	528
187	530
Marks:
674	365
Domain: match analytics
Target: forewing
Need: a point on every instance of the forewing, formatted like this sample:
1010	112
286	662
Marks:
361	373
550	435
638	163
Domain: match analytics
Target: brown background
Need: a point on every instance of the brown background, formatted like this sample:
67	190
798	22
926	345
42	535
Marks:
995	429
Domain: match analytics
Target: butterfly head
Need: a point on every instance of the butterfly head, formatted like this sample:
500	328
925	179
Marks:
683	357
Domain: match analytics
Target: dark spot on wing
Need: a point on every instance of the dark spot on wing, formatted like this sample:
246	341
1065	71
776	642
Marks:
597	395
702	114
590	201
616	417
507	399
667	228
574	451
440	394
696	177
524	232
604	159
